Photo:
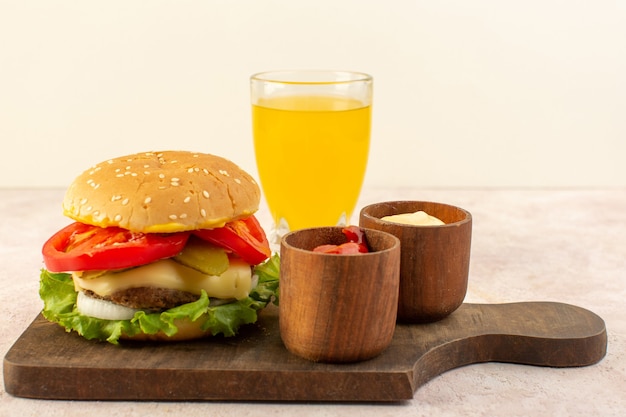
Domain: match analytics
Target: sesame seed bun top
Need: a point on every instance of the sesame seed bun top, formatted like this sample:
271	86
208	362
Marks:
162	192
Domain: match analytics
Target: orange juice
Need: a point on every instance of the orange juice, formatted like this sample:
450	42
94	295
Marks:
311	153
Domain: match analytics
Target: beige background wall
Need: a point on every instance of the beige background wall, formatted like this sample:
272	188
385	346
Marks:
467	93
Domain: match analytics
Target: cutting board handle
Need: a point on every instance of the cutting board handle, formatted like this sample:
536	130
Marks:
531	333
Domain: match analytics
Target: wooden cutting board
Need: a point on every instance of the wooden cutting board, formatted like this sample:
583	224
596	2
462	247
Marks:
47	363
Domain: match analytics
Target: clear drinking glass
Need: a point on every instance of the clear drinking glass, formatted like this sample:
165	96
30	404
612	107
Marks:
311	138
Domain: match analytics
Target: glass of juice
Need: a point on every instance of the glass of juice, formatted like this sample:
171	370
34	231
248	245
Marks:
311	138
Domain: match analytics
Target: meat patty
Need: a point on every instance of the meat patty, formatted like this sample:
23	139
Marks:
149	298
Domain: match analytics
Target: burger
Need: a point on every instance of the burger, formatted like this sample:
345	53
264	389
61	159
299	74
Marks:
163	246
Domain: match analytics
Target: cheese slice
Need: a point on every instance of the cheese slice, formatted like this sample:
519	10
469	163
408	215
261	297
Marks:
236	282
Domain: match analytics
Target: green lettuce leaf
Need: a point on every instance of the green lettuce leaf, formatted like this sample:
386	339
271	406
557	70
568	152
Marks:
59	297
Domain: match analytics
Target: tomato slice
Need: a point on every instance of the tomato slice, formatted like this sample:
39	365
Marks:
246	238
354	234
83	247
343	249
355	244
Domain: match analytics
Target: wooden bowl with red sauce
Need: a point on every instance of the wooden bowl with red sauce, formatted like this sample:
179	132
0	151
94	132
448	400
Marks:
338	307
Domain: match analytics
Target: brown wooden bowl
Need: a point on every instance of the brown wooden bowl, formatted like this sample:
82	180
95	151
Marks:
434	264
338	308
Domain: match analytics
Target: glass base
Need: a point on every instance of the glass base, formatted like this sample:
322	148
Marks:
276	234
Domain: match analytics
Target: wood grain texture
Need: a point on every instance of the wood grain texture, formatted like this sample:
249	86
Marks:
47	363
434	266
352	314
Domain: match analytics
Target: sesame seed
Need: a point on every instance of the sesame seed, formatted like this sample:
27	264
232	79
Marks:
146	173
224	172
125	202
237	180
187	199
83	201
117	217
173	217
203	212
190	170
205	194
183	216
147	200
88	208
119	175
161	176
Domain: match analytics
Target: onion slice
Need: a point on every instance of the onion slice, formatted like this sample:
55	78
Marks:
102	309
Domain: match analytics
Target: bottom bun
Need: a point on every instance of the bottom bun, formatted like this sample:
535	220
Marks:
187	330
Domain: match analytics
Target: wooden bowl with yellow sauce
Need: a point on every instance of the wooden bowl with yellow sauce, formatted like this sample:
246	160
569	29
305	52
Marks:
435	256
